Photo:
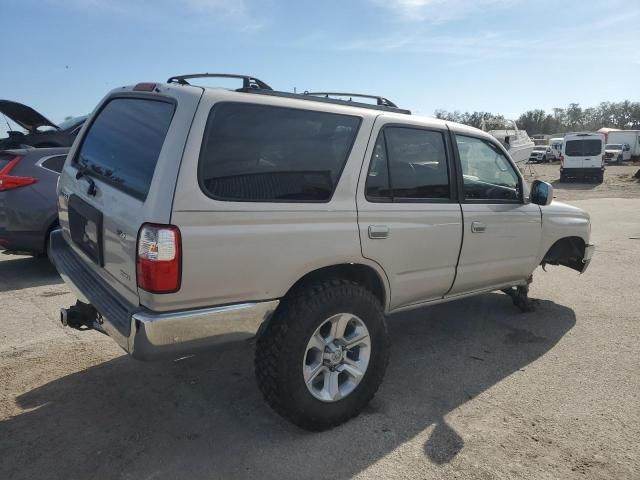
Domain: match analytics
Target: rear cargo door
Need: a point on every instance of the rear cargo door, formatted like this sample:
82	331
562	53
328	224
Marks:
122	175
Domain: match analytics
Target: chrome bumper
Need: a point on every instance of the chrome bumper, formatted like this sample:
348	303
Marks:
589	250
148	335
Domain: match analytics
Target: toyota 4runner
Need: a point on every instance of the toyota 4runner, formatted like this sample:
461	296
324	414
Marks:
196	216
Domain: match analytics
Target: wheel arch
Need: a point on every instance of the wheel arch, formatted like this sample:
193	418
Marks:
566	251
363	274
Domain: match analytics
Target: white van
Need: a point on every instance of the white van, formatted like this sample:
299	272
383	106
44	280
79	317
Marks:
556	147
582	156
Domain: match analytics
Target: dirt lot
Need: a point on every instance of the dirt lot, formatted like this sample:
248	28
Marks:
618	182
475	389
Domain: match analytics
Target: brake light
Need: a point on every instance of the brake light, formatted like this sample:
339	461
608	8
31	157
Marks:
8	182
159	262
561	161
145	87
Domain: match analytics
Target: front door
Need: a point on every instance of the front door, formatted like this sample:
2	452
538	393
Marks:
408	219
502	233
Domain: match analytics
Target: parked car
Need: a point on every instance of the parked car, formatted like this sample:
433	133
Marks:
556	147
541	154
195	216
616	152
28	209
39	131
582	157
626	137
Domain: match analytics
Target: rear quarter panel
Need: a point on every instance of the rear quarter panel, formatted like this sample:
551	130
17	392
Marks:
240	251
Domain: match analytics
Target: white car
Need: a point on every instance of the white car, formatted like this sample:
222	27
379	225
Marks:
582	156
541	154
617	152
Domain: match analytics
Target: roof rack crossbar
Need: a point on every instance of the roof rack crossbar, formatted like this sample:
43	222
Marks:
248	82
384	102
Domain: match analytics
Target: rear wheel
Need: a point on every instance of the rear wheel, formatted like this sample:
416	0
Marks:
322	357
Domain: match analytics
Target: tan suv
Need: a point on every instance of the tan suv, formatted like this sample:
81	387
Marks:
194	216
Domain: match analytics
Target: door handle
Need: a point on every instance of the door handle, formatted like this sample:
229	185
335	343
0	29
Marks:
478	227
378	231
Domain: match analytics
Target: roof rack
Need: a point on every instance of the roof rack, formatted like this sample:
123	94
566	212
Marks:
248	82
381	101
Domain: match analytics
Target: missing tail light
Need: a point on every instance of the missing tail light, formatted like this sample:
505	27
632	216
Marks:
10	182
159	262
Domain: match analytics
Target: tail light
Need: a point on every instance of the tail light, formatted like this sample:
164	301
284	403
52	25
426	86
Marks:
561	161
9	182
159	263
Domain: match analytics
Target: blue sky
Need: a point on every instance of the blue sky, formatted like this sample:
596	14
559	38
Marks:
503	56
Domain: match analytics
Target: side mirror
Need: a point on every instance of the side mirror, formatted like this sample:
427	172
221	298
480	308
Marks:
541	193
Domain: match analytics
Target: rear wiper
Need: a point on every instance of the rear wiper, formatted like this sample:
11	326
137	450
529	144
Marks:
82	172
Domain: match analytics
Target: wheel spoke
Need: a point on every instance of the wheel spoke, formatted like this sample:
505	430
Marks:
352	368
316	342
360	336
331	385
312	371
339	325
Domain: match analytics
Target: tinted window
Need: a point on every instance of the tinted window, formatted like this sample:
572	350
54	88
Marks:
264	153
124	141
55	163
408	163
487	172
583	148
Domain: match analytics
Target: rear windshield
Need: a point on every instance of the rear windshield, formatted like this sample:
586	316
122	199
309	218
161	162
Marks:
124	141
583	148
261	153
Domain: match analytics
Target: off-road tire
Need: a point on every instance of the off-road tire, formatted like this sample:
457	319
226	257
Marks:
280	351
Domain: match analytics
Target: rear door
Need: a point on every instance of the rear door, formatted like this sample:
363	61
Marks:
122	174
408	216
583	151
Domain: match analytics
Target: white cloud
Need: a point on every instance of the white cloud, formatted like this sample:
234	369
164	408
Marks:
234	14
437	11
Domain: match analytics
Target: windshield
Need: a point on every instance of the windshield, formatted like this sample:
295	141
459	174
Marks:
614	146
72	122
540	149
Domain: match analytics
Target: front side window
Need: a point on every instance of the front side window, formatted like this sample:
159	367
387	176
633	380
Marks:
487	172
262	153
408	164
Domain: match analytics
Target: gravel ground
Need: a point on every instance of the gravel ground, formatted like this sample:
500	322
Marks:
475	389
618	182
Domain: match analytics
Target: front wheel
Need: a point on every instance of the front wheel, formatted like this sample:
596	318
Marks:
322	357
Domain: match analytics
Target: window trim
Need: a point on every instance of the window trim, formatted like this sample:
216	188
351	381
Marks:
91	121
40	163
485	201
448	152
210	115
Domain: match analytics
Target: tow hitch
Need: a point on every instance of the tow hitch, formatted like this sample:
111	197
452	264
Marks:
80	316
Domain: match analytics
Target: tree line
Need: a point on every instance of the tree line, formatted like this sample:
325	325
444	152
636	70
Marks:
622	115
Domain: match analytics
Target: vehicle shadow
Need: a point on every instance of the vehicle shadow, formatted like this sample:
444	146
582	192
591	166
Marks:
203	417
26	272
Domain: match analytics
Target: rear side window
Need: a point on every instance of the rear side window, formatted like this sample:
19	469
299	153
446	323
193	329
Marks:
54	164
124	141
583	148
408	164
261	153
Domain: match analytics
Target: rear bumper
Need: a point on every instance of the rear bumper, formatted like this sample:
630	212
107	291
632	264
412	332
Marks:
148	335
582	172
32	242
